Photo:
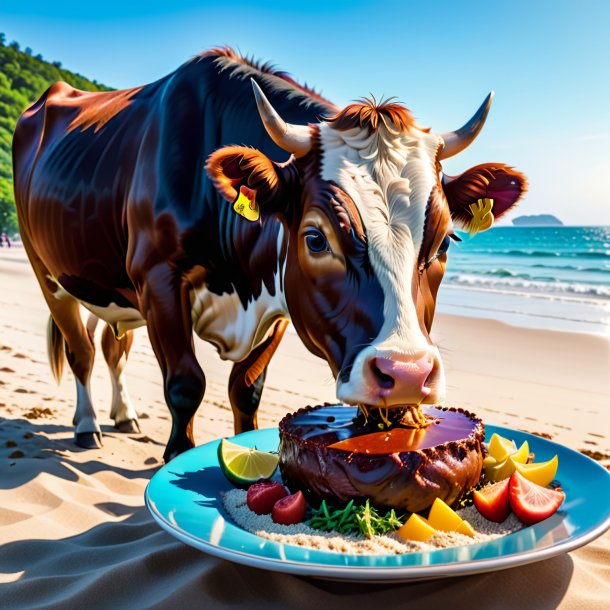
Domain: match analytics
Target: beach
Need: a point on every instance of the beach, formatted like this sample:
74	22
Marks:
74	531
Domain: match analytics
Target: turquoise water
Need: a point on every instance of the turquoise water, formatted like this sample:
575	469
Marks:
555	277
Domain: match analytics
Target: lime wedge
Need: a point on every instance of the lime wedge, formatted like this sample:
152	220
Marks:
243	465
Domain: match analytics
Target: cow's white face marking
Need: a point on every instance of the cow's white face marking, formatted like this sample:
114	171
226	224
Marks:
234	330
390	178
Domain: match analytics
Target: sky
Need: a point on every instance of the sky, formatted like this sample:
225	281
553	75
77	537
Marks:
547	62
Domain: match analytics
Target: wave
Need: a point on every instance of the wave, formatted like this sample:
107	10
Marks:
555	253
572	268
525	285
506	273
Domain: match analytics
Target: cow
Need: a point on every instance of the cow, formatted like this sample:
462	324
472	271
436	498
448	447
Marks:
226	199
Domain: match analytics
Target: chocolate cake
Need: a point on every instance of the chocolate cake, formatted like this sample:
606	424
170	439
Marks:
327	453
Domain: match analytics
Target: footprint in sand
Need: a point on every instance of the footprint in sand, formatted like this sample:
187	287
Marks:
38	412
540	434
595	455
18	355
6	369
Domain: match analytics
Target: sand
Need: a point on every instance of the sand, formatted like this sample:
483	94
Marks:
73	529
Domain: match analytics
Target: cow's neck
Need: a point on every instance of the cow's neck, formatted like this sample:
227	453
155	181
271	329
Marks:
244	262
237	314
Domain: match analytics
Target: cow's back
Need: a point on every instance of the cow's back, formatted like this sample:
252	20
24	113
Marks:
97	172
74	155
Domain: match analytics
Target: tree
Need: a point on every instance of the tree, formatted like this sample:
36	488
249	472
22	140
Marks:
22	80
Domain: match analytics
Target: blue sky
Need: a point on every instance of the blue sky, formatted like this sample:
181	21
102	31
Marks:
548	63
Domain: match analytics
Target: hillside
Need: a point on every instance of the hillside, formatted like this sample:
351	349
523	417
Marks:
23	78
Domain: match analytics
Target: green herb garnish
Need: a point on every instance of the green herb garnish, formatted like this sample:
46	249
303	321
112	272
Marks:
364	519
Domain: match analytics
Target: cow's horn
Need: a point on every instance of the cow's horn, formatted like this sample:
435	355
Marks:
457	141
295	139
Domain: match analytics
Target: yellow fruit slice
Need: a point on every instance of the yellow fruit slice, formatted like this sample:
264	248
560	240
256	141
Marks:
522	454
416	528
465	528
443	518
504	469
488	467
500	448
243	465
541	473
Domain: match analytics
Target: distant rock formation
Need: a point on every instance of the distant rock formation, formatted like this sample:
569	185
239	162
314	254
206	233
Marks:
537	220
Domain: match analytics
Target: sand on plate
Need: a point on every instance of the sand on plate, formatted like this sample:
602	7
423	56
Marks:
73	529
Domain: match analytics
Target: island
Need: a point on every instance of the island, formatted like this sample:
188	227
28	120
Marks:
537	220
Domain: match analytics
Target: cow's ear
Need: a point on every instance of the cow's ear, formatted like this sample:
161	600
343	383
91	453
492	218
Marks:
248	179
482	194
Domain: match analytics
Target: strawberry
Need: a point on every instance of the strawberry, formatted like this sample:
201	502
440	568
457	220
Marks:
290	510
492	501
531	502
263	494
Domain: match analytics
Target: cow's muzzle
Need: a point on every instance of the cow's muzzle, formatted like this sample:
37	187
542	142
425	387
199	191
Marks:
389	379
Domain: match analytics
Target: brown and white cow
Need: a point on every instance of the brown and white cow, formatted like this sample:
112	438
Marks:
347	238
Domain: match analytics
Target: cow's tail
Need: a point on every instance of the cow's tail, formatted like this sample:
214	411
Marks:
55	349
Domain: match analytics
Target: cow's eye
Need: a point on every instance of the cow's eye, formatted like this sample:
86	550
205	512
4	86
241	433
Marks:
316	241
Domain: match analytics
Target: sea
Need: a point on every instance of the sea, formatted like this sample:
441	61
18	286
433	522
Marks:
542	277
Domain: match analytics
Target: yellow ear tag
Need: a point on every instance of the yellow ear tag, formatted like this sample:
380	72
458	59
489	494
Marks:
482	218
245	204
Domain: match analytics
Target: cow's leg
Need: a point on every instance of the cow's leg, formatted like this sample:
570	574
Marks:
80	353
165	300
247	380
116	352
66	323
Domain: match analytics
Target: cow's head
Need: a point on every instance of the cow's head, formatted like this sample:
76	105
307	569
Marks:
370	217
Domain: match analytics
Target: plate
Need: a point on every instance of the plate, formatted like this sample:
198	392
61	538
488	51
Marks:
184	499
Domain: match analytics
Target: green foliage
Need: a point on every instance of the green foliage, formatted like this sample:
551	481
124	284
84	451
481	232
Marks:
23	79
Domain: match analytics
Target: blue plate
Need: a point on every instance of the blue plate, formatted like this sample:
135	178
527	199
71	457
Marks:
184	499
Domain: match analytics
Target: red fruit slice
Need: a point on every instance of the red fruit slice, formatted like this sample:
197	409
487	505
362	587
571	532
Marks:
290	510
531	502
492	501
263	494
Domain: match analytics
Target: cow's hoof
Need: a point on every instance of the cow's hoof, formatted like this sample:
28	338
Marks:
176	450
88	440
128	426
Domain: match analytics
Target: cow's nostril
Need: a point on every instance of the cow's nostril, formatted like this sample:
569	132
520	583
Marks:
431	379
385	381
